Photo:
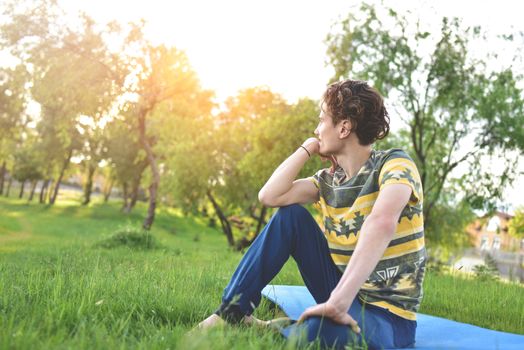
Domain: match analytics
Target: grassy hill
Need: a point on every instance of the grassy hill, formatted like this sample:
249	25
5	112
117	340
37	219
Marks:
66	282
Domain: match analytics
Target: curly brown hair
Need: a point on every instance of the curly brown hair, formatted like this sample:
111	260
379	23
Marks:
358	102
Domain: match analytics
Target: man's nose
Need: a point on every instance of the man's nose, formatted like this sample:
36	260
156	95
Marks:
316	131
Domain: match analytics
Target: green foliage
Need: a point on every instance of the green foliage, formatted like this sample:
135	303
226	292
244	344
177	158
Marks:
130	237
453	216
488	271
235	153
249	160
126	160
436	265
275	138
12	102
446	100
106	94
516	224
27	162
171	107
13	120
74	77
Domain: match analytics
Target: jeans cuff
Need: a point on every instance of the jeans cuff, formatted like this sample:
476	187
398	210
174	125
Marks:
231	313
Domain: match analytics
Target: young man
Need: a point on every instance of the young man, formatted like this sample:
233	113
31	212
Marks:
366	265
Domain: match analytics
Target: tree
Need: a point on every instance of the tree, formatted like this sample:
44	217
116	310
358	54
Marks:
458	111
203	166
93	153
164	79
237	192
74	74
253	134
13	118
27	166
233	192
516	224
126	157
273	139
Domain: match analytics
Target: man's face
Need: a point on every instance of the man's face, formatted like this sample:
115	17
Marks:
327	133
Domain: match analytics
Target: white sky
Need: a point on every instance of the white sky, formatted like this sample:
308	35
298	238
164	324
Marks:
278	43
234	44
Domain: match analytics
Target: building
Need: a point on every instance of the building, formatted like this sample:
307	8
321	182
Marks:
490	233
490	237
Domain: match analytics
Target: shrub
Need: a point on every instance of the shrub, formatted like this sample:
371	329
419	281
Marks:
487	272
131	237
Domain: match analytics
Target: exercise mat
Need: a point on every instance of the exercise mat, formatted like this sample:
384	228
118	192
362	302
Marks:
432	332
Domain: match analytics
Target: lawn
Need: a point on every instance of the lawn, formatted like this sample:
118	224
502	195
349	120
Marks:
59	288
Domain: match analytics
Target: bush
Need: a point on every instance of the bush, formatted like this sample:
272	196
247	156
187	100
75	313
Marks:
436	262
131	237
487	272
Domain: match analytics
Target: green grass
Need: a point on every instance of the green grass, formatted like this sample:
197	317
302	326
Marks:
60	289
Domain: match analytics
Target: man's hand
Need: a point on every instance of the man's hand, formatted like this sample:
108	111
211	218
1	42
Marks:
313	146
330	311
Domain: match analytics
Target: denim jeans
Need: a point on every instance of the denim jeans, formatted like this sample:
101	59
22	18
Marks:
292	231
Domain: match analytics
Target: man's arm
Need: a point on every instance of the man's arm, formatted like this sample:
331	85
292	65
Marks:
376	233
282	189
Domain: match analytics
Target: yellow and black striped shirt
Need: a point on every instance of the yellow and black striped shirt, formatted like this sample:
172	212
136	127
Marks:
396	282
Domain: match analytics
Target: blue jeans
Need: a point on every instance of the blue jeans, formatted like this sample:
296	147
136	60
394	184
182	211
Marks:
292	231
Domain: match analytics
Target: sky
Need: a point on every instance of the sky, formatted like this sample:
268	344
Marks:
234	44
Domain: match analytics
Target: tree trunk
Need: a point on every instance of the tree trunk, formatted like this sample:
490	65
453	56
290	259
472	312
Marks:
21	189
88	188
8	186
107	190
59	180
226	226
261	220
33	188
148	221
2	177
50	190
43	190
135	185
134	192
244	242
125	204
130	204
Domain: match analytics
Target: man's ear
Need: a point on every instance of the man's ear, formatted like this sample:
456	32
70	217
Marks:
345	128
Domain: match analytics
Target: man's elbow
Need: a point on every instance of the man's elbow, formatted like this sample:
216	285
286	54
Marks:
266	200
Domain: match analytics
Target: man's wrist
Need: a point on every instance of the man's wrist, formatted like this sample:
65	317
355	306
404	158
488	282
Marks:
339	302
305	149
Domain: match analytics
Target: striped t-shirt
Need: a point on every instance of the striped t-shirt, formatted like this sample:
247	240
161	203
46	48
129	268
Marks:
396	282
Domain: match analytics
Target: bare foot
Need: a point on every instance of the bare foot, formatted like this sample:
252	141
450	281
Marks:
276	323
279	322
215	321
251	320
211	322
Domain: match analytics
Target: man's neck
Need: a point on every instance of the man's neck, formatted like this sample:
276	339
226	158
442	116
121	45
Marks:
353	157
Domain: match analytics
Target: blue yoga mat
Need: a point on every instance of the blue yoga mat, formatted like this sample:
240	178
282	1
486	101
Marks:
432	332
